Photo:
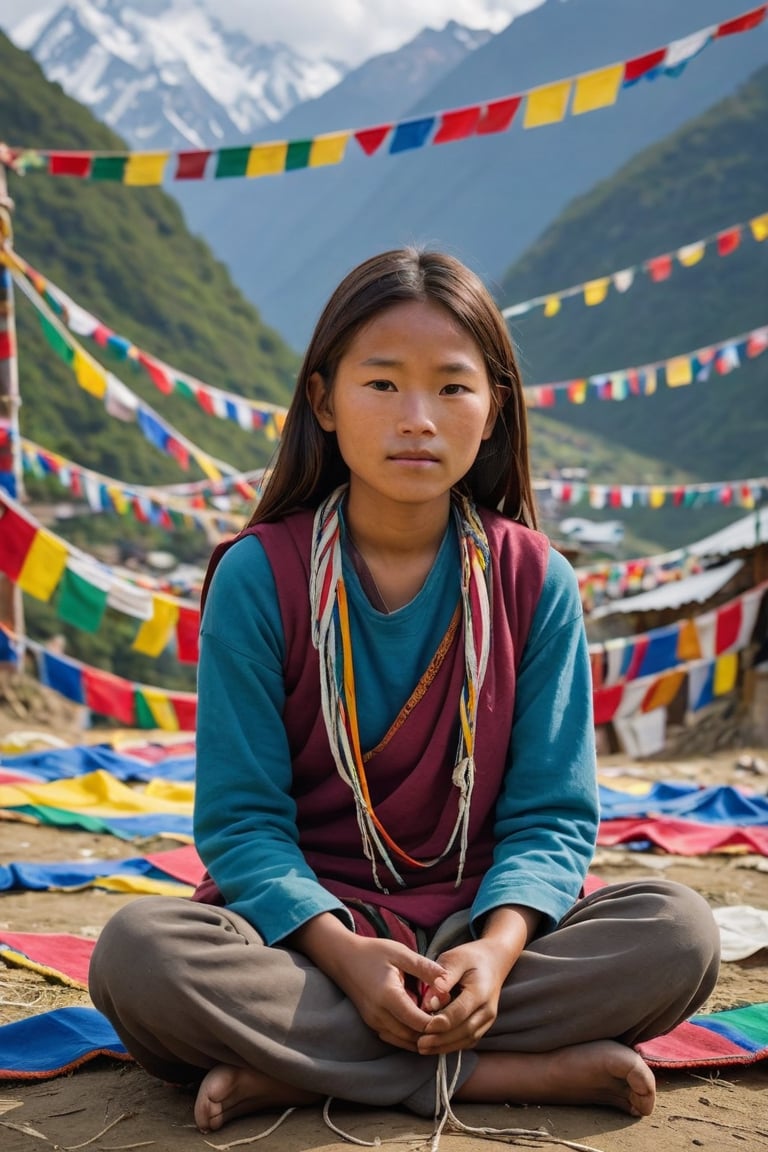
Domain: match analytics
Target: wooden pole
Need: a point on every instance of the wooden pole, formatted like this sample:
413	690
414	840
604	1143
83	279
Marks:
11	603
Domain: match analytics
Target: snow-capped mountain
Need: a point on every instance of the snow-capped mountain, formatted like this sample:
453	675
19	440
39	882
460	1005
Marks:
167	74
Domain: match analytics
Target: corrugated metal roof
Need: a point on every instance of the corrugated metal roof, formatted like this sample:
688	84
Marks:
745	533
693	589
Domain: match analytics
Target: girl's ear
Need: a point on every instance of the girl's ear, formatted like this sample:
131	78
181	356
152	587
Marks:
320	402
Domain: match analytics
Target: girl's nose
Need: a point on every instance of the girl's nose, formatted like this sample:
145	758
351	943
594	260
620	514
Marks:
415	415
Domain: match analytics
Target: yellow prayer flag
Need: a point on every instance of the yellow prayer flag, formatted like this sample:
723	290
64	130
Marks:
656	497
43	565
552	305
726	671
547	105
90	375
145	168
207	465
161	708
688	646
155	633
120	501
759	226
597	89
577	391
596	291
267	159
328	149
691	254
679	371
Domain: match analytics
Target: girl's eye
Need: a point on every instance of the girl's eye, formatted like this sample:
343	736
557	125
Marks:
381	385
454	389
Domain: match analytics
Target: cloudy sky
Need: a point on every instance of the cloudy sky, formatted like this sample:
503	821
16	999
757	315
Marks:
350	30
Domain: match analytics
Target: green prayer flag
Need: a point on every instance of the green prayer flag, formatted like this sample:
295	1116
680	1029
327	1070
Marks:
80	603
298	154
60	346
144	715
232	162
108	168
184	389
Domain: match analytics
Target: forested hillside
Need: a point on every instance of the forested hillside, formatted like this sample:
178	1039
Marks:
709	175
126	255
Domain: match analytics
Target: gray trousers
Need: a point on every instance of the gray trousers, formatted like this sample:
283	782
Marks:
188	986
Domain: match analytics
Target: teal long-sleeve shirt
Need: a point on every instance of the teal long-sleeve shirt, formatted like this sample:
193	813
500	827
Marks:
245	817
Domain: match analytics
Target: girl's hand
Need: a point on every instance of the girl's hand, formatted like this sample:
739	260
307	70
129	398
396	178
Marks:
476	973
380	977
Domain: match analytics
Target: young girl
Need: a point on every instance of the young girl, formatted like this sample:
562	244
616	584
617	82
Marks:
396	791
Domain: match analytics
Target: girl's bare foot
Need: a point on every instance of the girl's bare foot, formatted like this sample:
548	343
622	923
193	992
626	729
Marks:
227	1092
602	1072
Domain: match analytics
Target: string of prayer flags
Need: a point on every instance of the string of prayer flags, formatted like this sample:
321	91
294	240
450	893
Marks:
133	705
657	268
546	104
106	494
82	588
119	401
675	372
725	493
248	414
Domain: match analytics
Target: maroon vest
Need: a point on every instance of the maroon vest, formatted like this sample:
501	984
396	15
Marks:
409	773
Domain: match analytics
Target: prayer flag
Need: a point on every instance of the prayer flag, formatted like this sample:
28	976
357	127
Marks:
16	536
160	708
370	139
547	105
743	23
62	675
759	227
596	291
623	280
154	634
145	168
663	691
679	371
187	632
157	372
640	66
411	134
328	149
726	672
659	268
109	168
70	164
552	305
681	52
597	89
727	627
700	683
43	565
691	254
57	341
185	704
498	115
80	602
109	695
297	154
90	375
232	162
728	241
191	165
457	125
266	159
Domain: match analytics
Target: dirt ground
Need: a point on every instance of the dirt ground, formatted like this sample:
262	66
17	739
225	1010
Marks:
110	1106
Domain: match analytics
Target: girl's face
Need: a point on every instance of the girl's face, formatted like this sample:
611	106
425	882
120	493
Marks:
410	404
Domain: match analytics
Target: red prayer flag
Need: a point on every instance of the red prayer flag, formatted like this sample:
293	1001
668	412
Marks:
742	23
187	630
16	536
157	373
642	65
191	165
101	335
728	241
370	139
109	695
186	711
205	400
498	115
70	164
6	345
457	125
606	701
179	451
727	626
660	268
637	655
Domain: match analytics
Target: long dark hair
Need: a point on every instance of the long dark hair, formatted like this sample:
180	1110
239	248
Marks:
308	464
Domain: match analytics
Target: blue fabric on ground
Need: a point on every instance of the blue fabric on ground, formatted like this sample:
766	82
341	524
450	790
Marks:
64	763
71	873
55	1042
717	805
